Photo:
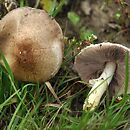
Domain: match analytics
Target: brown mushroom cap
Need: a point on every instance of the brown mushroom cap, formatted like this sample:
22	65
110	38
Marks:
32	43
90	63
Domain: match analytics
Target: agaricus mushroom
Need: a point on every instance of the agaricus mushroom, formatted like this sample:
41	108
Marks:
102	65
32	43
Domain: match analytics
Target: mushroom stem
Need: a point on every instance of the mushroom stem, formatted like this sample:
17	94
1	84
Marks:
99	87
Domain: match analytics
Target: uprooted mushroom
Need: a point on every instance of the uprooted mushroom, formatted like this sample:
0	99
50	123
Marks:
32	43
102	65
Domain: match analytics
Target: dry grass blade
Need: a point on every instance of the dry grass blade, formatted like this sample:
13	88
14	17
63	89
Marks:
53	92
53	105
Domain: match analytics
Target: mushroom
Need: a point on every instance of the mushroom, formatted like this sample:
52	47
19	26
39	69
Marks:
32	43
102	65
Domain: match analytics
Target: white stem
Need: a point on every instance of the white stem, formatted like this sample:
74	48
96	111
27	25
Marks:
99	87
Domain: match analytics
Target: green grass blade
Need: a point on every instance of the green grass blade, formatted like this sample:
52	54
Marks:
6	102
15	113
7	67
1	87
126	73
58	8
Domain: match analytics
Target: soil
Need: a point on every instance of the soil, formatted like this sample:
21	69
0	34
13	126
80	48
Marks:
100	17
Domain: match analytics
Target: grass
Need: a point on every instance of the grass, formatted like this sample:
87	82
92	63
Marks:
57	104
